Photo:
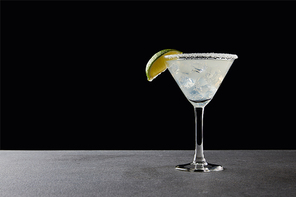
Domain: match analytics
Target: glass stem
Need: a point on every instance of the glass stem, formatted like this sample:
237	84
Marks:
199	158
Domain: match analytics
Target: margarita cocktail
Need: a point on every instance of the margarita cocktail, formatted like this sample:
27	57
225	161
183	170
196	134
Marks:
199	76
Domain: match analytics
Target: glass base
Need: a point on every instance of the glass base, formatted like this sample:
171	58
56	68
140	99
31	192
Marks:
191	167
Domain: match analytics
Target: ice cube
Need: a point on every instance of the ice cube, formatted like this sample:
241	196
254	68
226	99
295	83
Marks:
198	70
185	69
188	82
202	82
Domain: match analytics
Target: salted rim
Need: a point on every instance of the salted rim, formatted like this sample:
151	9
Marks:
222	56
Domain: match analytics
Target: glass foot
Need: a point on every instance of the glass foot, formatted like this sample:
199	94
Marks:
191	167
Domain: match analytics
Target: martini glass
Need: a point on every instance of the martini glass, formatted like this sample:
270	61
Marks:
199	76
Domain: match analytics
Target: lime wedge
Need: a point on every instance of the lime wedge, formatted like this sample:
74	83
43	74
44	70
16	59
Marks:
157	63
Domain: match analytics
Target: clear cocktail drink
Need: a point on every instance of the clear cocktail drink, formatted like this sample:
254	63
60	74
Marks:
199	79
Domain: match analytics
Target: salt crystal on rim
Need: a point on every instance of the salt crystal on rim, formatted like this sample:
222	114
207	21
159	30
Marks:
223	56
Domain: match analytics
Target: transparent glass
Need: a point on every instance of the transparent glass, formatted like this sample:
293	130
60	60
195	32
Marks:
199	76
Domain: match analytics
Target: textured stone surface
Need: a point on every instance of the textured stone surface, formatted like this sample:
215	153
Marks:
146	173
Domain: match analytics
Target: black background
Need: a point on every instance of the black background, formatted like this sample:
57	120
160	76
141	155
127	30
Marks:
73	75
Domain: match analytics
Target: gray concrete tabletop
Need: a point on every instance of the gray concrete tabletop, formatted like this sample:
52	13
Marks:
146	173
